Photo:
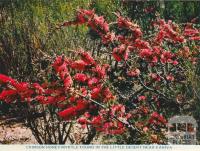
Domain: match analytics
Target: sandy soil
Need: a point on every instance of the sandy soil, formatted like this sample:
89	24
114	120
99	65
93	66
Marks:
16	134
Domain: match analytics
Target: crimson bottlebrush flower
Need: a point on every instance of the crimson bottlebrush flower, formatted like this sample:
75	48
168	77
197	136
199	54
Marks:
95	92
109	37
60	98
62	67
93	81
118	109
101	70
120	53
40	98
86	12
72	99
68	113
107	94
137	32
117	56
170	77
160	36
22	86
6	79
145	53
87	115
26	95
86	57
175	62
97	120
83	91
68	82
190	32
58	61
195	38
157	50
166	57
142	98
79	65
82	121
155	76
81	18
74	111
81	106
134	73
155	59
6	94
111	128
141	44
99	20
39	89
122	22
80	77
127	24
50	100
46	100
157	118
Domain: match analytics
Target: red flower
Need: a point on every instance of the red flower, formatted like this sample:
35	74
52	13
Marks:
134	73
6	79
7	95
141	44
142	98
86	57
58	62
82	121
170	77
120	53
166	57
68	113
99	20
175	63
155	76
155	59
22	86
109	37
191	32
118	109
157	118
38	88
145	53
101	70
97	120
79	65
80	77
75	110
195	38
72	99
83	91
107	94
111	128
92	82
117	56
81	106
95	92
68	82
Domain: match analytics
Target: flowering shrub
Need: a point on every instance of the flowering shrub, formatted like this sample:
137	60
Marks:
135	95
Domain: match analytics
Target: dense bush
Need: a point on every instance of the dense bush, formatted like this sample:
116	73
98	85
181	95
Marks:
132	85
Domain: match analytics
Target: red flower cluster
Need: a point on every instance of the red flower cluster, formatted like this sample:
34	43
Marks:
157	119
168	31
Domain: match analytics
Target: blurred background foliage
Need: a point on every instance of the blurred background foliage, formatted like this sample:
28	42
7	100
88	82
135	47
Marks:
29	30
